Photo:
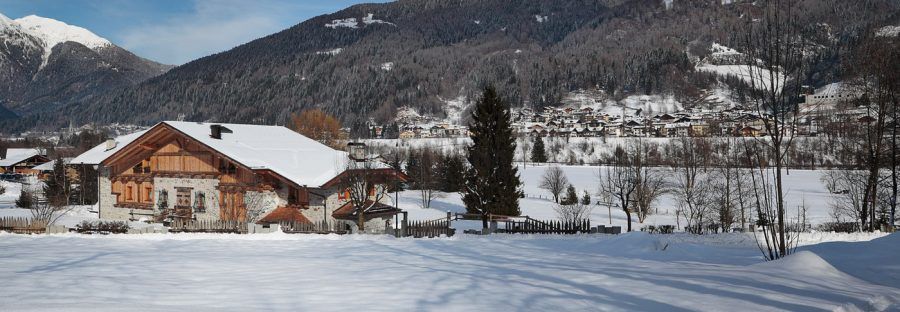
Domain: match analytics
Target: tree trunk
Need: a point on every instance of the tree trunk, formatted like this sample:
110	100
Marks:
361	222
628	216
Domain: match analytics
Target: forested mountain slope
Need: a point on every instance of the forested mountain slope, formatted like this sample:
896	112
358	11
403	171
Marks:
368	60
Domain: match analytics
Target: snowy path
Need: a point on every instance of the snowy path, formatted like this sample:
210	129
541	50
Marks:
373	273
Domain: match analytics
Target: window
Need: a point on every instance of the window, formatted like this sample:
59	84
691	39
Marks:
182	197
298	197
129	193
200	202
148	193
344	195
163	200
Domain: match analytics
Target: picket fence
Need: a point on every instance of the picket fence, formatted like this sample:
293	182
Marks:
321	227
22	225
207	226
534	226
433	228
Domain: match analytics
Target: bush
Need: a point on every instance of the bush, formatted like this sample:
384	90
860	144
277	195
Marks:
662	229
840	227
26	200
102	227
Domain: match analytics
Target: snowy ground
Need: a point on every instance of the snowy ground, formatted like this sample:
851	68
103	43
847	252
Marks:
633	272
802	187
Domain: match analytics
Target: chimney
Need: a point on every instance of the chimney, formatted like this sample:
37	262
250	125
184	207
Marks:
357	151
3	152
215	131
110	144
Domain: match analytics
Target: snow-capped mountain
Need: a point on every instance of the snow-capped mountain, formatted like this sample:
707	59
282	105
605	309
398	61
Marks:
45	63
53	32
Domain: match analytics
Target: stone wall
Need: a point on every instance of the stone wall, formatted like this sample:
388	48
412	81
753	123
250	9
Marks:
207	186
259	204
108	210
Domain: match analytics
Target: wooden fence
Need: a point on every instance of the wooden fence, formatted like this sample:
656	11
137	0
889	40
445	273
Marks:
433	228
322	227
207	226
533	226
22	225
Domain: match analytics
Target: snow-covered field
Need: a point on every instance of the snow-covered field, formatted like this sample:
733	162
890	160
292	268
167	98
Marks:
803	187
629	272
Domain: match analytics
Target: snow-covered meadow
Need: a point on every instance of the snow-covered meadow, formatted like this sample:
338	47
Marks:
803	188
628	272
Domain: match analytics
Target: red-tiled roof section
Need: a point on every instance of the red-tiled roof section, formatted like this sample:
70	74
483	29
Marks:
285	214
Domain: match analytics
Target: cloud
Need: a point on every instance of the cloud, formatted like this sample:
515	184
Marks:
211	27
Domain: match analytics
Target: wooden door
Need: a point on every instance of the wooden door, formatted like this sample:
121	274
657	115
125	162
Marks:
232	207
183	207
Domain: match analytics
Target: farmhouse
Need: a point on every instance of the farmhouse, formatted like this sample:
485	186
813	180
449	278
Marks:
21	160
231	172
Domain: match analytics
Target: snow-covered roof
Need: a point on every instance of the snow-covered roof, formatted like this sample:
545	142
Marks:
17	155
48	166
100	152
293	156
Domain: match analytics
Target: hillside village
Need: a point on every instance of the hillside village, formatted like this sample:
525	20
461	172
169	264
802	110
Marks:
819	110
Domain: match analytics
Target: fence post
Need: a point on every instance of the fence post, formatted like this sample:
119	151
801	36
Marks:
405	224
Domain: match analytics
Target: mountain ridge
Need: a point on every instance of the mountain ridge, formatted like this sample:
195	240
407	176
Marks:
47	64
420	53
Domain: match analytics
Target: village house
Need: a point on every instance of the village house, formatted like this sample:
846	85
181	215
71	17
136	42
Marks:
230	172
21	160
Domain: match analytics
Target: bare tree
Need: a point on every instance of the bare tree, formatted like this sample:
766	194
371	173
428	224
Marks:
618	181
422	167
774	50
729	187
554	181
651	183
763	198
875	79
573	213
365	186
691	181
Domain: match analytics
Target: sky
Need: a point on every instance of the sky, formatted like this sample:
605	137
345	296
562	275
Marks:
178	31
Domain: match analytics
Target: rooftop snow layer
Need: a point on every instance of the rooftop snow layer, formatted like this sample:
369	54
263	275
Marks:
100	152
17	155
297	158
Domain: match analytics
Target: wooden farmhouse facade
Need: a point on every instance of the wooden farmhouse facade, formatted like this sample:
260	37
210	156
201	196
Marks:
228	172
21	160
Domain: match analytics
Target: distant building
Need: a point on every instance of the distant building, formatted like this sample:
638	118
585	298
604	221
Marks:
22	160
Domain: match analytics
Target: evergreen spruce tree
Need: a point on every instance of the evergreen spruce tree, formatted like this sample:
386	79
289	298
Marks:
412	164
451	172
538	152
571	196
586	199
57	187
25	200
491	181
86	192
